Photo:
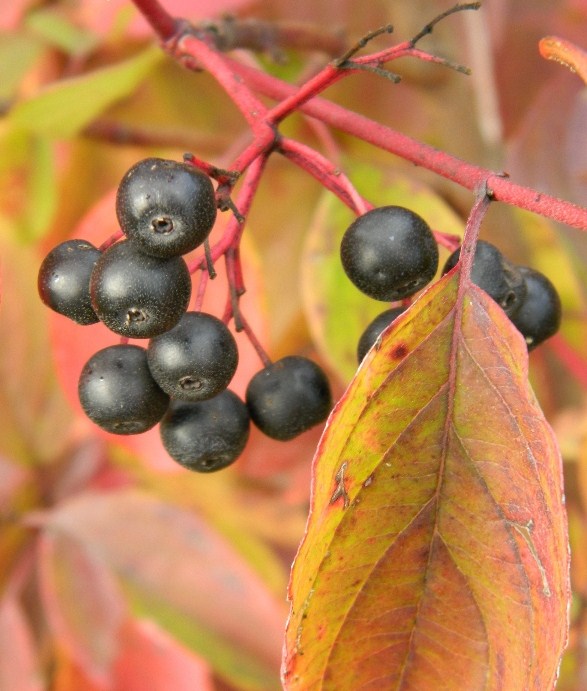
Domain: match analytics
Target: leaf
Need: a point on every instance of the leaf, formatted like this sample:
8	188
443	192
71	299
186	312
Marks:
337	311
56	29
149	659
82	602
64	108
19	668
102	17
34	424
436	548
18	495
17	55
172	561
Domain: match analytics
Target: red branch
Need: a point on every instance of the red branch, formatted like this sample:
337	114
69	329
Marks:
465	174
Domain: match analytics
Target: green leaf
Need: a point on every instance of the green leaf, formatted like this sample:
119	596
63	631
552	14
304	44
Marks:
336	310
35	420
57	30
17	55
65	108
436	552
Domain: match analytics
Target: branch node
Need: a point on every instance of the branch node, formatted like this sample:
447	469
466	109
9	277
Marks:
361	43
375	69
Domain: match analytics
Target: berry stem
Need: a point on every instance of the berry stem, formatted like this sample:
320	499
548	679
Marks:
265	359
202	285
325	172
115	237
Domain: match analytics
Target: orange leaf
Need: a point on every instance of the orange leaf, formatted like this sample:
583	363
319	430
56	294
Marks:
436	549
565	52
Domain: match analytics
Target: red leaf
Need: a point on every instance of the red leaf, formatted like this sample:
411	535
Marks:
149	659
173	555
82	603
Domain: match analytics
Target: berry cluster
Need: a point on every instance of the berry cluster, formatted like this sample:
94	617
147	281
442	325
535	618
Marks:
140	288
390	253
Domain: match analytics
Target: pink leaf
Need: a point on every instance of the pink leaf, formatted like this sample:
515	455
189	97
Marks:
175	557
149	659
18	657
101	16
82	602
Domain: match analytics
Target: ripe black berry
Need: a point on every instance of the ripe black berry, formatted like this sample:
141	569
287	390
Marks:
389	253
137	295
168	208
64	280
539	315
372	332
118	393
207	435
196	359
288	397
497	276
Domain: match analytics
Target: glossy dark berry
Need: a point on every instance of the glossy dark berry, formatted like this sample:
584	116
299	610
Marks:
137	295
196	359
374	329
167	207
539	315
118	393
389	253
64	280
497	276
288	397
207	435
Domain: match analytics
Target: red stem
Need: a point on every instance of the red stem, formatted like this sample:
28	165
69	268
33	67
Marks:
325	172
465	174
250	106
162	23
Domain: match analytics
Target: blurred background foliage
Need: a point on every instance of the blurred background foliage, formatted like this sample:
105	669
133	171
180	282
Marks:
117	568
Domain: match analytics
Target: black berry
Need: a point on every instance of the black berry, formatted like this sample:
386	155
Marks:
196	359
288	397
64	280
166	207
389	253
497	276
374	329
118	393
207	435
137	295
539	315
